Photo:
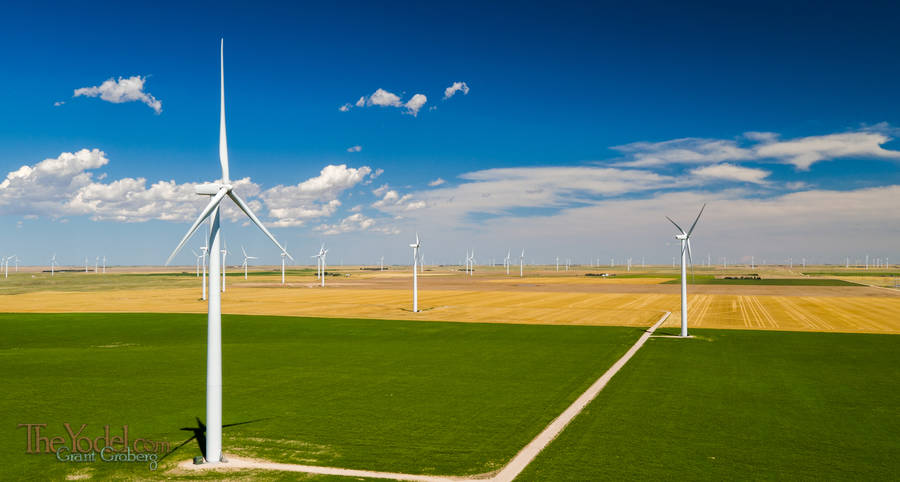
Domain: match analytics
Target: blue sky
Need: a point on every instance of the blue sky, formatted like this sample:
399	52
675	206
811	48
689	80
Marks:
582	126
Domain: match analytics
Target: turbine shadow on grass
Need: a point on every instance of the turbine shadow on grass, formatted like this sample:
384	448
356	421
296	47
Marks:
199	433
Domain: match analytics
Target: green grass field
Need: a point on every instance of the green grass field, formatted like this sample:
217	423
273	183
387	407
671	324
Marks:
712	280
864	273
445	398
740	405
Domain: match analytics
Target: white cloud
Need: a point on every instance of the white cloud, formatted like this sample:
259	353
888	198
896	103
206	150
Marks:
805	151
122	90
456	87
800	152
436	182
58	103
354	149
380	190
316	197
415	103
730	172
345	107
689	150
384	98
354	222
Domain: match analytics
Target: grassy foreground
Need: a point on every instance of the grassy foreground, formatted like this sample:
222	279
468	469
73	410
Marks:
740	405
445	398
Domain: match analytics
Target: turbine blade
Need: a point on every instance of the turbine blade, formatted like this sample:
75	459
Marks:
203	215
223	142
242	251
676	224
695	221
241	204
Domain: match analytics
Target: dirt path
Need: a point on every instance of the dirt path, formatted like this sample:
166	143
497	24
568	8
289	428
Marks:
509	472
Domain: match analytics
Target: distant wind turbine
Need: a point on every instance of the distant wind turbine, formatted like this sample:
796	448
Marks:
415	248
217	191
522	263
246	258
283	255
52	263
685	238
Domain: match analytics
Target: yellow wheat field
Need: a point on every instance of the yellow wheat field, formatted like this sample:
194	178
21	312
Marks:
870	314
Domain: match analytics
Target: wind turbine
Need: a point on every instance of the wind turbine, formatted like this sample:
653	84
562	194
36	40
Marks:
685	238
203	251
507	262
96	265
224	266
324	252
557	264
246	258
217	191
415	248
283	254
197	262
85	264
4	263
17	262
522	263
104	265
382	263
52	263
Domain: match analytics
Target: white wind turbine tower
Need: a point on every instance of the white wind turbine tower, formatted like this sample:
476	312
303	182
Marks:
17	262
85	264
507	262
224	266
685	238
53	263
217	191
415	248
104	265
283	255
318	257
382	262
204	250
4	263
324	252
197	262
246	258
97	265
522	263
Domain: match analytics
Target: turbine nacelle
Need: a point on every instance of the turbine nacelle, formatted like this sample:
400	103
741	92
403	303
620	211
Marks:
211	188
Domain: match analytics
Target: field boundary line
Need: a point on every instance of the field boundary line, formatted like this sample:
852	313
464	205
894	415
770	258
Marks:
531	451
509	472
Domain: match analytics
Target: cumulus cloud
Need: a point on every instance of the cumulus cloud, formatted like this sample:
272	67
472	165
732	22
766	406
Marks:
354	149
415	103
730	172
354	222
313	198
456	87
800	152
122	90
58	103
383	98
67	186
436	182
